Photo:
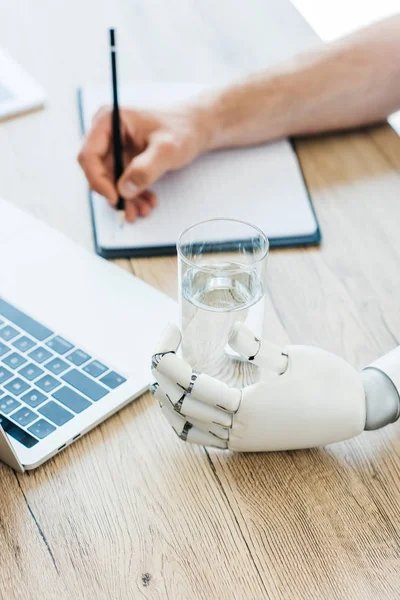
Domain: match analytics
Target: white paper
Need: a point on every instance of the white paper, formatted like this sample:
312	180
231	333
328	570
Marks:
262	185
18	91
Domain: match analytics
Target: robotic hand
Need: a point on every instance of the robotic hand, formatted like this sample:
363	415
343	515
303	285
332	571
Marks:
306	397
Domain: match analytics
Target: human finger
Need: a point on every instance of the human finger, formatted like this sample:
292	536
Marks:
98	178
92	159
148	200
131	211
151	198
145	168
141	206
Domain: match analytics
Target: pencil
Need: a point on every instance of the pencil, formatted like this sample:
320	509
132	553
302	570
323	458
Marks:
116	129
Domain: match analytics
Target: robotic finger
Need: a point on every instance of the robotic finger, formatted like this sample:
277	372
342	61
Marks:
260	352
189	432
204	388
177	421
170	340
195	436
187	406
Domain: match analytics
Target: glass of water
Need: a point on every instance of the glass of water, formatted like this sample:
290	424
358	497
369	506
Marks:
222	274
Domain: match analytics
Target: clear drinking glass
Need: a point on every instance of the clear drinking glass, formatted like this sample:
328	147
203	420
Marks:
222	275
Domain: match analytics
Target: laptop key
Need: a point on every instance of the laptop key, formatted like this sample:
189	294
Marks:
57	366
40	354
35	329
14	360
23	344
24	416
4	349
30	371
8	333
17	386
95	368
47	383
112	380
55	413
71	399
84	384
59	345
8	404
41	428
17	433
33	398
78	357
5	375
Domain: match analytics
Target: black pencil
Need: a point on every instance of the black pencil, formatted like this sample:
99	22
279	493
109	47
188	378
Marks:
116	129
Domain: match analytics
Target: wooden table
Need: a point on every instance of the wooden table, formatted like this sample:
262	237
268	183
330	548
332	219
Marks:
129	511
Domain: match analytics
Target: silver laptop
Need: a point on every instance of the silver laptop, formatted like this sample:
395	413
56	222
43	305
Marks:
76	337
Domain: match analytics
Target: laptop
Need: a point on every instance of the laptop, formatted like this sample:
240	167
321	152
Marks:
76	337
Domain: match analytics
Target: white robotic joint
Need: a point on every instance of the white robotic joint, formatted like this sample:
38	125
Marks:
381	382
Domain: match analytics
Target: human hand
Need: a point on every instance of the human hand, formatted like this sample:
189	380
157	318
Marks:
154	142
306	397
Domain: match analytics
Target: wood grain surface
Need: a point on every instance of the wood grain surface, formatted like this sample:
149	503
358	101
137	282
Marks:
129	511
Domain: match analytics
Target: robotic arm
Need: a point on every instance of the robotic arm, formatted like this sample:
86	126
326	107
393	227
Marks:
306	397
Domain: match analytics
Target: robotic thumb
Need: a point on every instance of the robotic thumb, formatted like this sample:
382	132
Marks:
260	352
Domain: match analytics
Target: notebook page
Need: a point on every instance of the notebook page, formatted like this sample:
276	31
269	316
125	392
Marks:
261	184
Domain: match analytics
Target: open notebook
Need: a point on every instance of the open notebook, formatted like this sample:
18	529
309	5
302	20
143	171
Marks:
262	185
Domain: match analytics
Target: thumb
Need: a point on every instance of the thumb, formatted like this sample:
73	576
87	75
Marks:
146	168
262	353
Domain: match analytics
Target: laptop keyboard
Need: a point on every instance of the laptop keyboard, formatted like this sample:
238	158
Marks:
45	380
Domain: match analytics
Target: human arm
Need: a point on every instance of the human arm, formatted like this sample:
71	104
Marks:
350	82
347	83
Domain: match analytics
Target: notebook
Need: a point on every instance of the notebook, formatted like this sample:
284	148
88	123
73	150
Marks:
263	185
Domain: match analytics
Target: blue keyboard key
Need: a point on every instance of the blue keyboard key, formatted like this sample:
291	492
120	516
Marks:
23	344
17	433
71	399
40	354
59	345
57	366
84	384
78	357
55	413
24	416
30	371
47	383
8	404
14	360
33	398
3	349
95	368
35	329
8	333
17	386
41	429
5	374
112	380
